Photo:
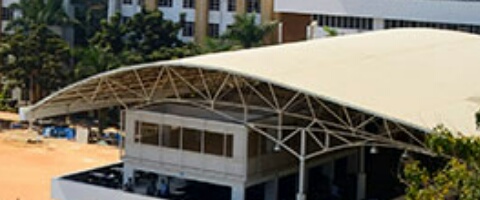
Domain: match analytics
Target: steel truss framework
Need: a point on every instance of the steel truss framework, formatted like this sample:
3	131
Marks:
280	114
305	125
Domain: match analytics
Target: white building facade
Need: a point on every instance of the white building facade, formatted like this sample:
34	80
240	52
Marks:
354	16
203	18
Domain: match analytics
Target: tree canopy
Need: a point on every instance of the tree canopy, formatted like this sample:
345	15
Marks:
458	178
49	12
145	37
247	32
36	60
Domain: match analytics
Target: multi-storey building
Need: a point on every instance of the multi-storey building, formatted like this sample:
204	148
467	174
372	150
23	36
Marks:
354	16
8	14
203	18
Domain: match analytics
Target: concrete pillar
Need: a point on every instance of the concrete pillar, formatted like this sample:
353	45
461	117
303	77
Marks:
241	7
378	24
271	189
127	172
135	6
113	7
361	186
328	169
361	176
266	7
238	192
151	5
201	21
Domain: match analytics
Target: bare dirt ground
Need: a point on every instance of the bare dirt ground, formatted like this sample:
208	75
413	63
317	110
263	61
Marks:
27	169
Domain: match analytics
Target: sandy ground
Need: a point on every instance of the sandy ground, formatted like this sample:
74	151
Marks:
26	169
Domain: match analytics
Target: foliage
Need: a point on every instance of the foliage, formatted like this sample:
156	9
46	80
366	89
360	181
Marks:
93	60
149	31
49	12
89	14
36	59
247	32
458	179
145	37
111	35
331	32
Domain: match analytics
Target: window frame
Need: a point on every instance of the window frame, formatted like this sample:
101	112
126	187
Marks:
165	3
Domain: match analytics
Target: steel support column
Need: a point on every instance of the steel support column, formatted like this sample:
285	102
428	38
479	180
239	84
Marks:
301	169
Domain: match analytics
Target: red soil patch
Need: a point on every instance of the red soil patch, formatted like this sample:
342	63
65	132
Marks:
27	169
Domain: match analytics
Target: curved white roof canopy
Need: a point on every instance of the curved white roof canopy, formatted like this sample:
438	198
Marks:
417	77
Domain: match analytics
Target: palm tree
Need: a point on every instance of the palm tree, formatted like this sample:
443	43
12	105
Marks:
93	60
50	12
246	31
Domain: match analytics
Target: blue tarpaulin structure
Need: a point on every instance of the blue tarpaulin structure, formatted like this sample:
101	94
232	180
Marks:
59	132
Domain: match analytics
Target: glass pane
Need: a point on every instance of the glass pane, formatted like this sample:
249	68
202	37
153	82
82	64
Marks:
149	133
136	136
229	146
253	144
192	139
171	136
214	143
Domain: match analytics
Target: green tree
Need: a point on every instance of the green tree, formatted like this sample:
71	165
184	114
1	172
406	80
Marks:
89	14
149	31
93	60
145	37
331	32
49	12
247	32
36	60
111	35
459	178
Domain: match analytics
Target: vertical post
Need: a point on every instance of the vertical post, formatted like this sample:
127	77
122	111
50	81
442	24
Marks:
301	174
308	32
362	177
271	189
280	33
238	192
313	29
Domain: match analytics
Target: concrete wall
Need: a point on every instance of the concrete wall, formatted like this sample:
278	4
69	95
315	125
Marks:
452	11
70	190
189	164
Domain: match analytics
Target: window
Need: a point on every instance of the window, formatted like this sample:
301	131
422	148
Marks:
171	136
192	140
165	3
141	2
232	5
214	4
229	146
214	143
137	136
392	23
253	6
188	29
344	22
128	2
7	13
149	133
213	30
188	3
